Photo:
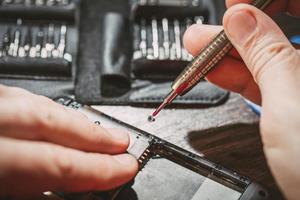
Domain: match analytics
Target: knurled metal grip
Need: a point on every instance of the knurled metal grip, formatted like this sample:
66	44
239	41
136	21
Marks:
205	61
209	57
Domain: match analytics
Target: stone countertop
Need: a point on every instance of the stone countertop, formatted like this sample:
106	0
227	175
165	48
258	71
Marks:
227	134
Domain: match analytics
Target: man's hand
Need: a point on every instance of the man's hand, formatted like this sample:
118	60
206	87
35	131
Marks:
265	69
45	146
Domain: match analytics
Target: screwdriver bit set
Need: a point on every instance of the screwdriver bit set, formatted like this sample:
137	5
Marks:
38	38
39	9
162	39
103	52
159	27
36	3
170	2
45	41
34	49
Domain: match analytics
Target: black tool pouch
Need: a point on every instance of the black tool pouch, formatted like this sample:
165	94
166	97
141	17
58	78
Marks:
38	45
130	51
116	52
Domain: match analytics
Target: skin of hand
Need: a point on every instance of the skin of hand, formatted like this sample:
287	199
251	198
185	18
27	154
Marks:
47	147
265	68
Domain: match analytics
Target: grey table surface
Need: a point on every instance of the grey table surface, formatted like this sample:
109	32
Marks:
227	134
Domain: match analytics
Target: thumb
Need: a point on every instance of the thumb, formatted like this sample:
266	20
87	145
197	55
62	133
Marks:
274	64
261	44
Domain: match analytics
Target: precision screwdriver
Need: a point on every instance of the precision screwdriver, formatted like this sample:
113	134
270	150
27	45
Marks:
202	64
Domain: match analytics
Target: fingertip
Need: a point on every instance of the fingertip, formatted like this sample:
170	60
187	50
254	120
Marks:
130	167
199	35
231	11
240	24
2	88
101	172
123	171
244	21
188	37
129	162
121	138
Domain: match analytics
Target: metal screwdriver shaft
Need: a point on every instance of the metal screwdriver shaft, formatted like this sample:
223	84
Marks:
202	64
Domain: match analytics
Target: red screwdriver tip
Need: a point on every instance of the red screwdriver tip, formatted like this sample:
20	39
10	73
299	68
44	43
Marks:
168	100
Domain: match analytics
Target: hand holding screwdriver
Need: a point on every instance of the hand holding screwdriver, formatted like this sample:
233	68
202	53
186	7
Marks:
202	64
266	68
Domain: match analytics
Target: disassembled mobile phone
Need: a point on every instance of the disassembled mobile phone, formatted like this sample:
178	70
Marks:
168	172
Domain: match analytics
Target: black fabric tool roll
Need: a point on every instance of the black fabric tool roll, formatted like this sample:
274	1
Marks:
55	12
107	73
110	66
38	45
55	67
116	48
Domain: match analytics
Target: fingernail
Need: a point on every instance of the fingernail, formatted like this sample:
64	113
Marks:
125	159
241	27
119	135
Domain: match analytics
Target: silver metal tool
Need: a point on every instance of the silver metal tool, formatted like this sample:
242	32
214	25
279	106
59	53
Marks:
188	23
62	42
32	50
177	39
137	54
65	2
16	43
18	2
143	43
155	44
17	39
195	2
2	46
43	46
39	2
166	44
36	2
11	46
152	2
39	42
199	20
173	54
50	2
143	2
171	2
33	43
149	42
21	51
28	42
50	42
28	2
6	2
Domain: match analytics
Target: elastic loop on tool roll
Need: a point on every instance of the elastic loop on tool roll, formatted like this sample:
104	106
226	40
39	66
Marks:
115	66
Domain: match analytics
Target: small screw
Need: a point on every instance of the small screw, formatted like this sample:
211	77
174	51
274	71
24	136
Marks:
151	118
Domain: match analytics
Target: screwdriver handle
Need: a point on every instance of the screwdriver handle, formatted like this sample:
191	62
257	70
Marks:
204	62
